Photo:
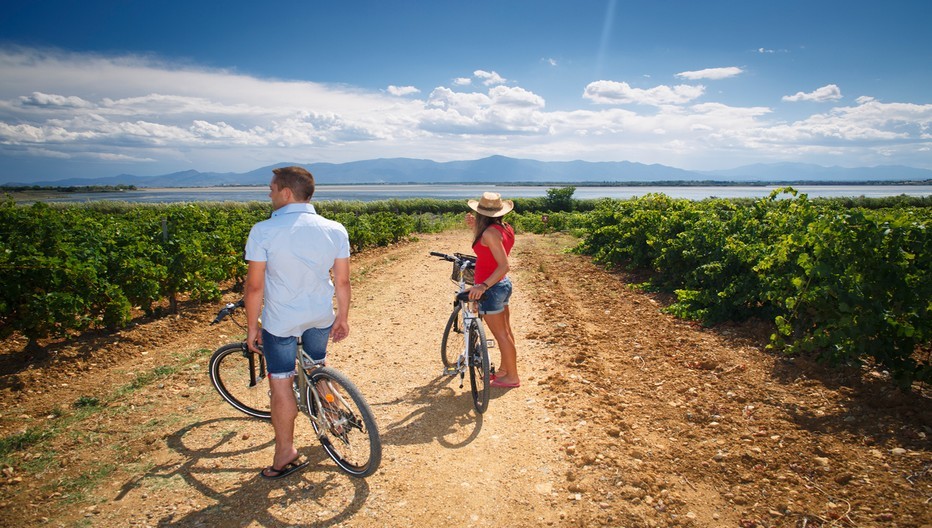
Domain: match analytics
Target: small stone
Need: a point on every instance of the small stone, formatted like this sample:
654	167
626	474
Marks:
844	478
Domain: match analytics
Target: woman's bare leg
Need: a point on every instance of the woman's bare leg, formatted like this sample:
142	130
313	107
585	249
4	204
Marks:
500	326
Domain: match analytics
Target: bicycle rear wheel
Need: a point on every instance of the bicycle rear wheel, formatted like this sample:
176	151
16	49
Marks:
240	376
479	371
448	349
344	422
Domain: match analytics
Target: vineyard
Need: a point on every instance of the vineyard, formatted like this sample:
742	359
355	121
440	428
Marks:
847	281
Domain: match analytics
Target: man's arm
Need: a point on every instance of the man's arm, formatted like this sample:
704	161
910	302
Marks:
255	290
341	284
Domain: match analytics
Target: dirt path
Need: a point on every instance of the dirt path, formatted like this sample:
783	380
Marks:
626	417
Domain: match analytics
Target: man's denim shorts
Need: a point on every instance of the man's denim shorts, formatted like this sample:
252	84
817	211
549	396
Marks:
279	352
496	298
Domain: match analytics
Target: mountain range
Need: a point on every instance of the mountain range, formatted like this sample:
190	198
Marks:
501	169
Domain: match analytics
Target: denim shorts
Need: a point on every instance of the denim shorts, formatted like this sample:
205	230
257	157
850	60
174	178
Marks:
279	352
496	298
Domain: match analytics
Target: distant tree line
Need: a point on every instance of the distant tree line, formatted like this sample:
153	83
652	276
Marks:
70	188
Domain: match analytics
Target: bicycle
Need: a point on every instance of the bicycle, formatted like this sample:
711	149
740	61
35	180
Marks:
466	320
339	415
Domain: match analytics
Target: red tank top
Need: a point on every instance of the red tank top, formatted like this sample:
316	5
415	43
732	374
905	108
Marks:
485	262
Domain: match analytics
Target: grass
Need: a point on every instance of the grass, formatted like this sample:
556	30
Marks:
74	488
20	441
86	401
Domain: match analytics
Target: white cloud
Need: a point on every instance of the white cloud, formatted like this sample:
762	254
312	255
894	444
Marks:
550	60
711	73
829	92
126	112
489	78
402	90
612	92
50	100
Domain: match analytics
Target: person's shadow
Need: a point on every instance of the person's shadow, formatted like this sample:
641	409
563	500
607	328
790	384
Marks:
215	456
439	414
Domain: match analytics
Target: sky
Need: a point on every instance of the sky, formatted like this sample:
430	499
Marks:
100	88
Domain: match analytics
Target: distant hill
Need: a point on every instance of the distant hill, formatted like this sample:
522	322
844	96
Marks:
501	169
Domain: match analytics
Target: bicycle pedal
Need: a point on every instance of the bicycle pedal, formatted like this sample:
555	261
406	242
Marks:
449	371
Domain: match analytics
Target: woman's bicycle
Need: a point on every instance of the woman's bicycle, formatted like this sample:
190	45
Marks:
466	320
340	416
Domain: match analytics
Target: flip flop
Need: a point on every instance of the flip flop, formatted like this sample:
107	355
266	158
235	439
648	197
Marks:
503	385
286	470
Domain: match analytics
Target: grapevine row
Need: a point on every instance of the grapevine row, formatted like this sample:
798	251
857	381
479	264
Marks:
845	283
71	268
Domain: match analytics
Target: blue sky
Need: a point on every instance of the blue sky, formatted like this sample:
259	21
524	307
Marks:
100	88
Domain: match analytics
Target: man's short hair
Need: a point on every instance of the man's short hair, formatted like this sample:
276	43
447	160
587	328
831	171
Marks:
298	179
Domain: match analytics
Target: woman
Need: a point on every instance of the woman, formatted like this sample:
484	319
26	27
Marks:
492	242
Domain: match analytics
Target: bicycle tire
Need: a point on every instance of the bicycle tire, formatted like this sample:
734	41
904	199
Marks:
353	441
479	368
241	378
448	353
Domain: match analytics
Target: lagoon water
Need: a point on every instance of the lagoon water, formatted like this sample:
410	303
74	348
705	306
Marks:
368	193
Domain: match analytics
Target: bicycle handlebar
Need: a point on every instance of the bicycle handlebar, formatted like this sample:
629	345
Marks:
227	310
456	257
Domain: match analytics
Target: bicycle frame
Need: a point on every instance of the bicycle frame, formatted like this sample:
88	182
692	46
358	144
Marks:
467	320
335	406
468	315
300	382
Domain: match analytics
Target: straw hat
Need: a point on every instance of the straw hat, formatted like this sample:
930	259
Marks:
491	204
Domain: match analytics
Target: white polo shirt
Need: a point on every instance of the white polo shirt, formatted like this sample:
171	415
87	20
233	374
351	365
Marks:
298	247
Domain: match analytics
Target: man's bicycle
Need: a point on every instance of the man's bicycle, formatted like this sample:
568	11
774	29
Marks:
340	416
466	320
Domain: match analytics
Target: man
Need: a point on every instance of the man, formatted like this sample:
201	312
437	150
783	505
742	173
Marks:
291	256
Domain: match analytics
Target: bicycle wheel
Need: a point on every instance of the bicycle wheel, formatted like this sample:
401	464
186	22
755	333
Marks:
240	377
448	350
344	423
478	367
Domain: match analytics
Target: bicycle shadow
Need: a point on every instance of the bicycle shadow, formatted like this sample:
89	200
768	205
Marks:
218	462
441	412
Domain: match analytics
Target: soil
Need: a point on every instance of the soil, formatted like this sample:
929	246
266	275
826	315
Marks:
626	416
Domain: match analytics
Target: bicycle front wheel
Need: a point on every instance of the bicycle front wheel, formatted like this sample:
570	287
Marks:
344	423
479	371
448	349
240	376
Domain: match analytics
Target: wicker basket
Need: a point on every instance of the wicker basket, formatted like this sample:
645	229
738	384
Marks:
469	273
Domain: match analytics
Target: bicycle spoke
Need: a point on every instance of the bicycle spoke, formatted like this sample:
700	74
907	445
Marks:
344	422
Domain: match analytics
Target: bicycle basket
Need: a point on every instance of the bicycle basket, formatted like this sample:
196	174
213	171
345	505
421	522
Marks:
470	272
